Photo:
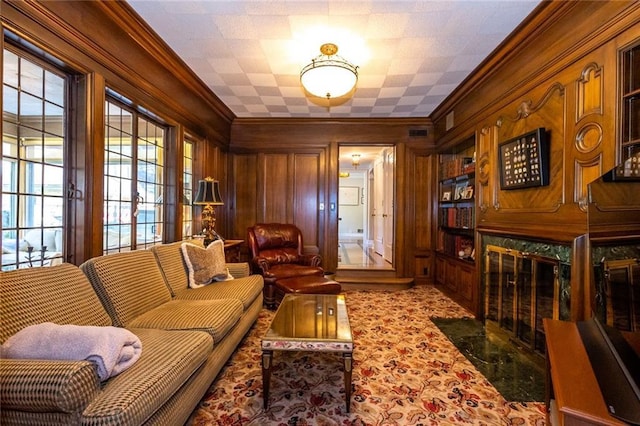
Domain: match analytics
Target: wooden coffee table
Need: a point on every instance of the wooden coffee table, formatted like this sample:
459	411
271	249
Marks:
313	323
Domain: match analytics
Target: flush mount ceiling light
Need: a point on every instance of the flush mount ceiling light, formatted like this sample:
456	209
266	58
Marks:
355	160
329	75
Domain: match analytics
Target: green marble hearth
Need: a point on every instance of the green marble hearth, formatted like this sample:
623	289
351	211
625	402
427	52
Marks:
517	375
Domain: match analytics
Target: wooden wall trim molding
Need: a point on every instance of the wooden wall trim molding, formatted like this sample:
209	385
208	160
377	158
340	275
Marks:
525	109
147	39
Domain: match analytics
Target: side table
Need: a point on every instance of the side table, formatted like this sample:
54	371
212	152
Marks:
232	250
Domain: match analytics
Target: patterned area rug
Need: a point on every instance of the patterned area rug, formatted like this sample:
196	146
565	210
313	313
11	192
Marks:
406	372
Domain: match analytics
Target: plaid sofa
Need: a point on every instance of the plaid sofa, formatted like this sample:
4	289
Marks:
187	336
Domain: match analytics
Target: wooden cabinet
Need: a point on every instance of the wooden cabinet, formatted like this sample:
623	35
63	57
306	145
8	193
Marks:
455	246
457	278
572	394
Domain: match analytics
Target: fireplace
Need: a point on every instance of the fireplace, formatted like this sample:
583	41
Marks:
523	283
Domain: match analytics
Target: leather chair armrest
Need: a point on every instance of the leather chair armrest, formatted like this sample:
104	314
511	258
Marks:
47	385
262	265
311	259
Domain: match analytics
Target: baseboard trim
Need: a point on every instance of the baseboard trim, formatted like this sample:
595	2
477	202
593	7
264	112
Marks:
373	283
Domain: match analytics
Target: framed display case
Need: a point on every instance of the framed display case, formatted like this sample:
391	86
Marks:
524	160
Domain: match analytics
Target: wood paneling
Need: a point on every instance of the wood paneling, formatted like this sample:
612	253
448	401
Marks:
298	170
244	193
275	194
306	197
564	76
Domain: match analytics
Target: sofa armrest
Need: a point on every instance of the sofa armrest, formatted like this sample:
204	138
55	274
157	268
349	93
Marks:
47	386
239	269
311	259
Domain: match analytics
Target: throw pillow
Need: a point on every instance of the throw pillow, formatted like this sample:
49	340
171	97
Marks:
204	264
229	277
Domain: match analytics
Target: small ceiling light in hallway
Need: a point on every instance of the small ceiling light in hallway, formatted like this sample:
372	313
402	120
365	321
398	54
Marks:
355	160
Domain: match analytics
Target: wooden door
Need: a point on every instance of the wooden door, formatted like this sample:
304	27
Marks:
388	205
378	209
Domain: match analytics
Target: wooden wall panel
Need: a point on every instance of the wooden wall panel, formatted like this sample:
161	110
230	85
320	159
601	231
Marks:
306	197
275	195
547	111
422	195
243	184
298	170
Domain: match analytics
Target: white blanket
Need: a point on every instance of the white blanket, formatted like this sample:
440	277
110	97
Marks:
112	349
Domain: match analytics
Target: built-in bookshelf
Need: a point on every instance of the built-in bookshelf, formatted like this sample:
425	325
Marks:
456	207
630	114
455	245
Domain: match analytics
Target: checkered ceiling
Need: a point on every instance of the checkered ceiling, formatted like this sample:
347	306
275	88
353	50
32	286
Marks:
411	54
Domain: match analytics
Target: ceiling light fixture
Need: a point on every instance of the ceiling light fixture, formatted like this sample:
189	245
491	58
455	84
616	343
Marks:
355	160
329	75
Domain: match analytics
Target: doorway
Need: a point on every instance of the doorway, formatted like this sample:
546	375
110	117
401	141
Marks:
366	207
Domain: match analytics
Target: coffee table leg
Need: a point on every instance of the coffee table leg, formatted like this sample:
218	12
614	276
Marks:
347	358
266	376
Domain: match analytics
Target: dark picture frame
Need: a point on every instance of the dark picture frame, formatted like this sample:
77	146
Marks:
524	160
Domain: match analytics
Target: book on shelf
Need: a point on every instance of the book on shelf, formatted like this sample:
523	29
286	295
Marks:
457	217
456	166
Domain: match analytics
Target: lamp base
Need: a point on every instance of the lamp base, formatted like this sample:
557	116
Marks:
211	236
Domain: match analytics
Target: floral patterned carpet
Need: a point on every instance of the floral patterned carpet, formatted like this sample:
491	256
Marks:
406	372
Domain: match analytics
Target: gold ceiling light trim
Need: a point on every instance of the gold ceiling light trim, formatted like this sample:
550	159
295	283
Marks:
329	75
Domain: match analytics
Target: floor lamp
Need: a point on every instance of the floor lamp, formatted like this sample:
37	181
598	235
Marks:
209	197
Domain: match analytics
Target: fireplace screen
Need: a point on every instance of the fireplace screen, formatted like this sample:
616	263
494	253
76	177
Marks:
622	293
520	290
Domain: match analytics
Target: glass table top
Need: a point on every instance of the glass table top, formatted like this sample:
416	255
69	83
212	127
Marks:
314	322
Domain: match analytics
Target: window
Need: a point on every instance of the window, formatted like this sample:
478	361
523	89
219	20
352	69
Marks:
133	180
33	167
187	190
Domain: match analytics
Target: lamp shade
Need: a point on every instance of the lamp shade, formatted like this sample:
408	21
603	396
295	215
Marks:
329	75
208	192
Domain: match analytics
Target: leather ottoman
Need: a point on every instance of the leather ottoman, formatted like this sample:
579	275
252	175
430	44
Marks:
311	284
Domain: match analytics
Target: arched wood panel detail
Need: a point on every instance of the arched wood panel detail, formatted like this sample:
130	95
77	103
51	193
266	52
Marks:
589	91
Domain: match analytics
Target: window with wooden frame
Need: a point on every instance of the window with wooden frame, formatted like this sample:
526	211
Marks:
34	142
187	188
134	181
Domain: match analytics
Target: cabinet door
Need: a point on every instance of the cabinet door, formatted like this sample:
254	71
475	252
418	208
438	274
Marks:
440	270
451	276
466	282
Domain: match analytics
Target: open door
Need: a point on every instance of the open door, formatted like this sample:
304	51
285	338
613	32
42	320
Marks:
366	227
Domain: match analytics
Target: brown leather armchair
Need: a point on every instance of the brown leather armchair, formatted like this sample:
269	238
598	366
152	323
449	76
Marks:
276	253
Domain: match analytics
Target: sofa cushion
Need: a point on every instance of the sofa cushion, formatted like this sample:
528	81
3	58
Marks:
60	294
204	265
245	289
216	317
128	284
169	359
